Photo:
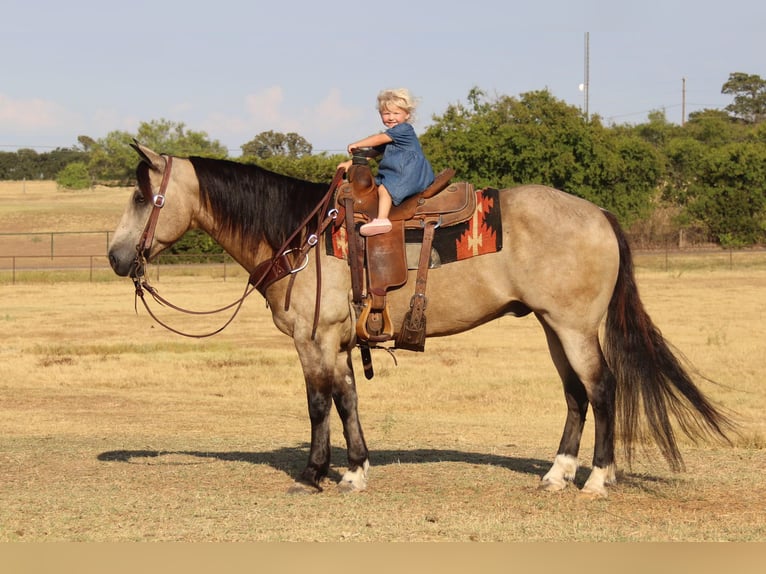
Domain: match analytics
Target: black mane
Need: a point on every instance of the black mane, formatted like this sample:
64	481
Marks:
254	203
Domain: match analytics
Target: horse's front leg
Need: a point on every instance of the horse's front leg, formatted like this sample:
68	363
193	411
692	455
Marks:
319	396
346	402
329	378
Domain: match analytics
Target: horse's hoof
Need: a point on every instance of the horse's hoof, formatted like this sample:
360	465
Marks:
355	480
346	487
593	493
552	486
595	486
303	488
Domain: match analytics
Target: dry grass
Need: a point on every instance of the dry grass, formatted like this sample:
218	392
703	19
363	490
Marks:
112	429
38	206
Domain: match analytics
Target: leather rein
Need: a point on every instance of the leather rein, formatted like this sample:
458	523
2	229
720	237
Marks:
265	273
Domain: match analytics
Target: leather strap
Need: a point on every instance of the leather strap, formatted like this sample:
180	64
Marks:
419	300
158	201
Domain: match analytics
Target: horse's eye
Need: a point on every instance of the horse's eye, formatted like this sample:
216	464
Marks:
138	198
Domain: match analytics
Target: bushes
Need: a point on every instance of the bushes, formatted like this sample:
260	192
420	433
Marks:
74	176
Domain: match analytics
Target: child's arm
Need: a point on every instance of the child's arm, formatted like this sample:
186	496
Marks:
371	141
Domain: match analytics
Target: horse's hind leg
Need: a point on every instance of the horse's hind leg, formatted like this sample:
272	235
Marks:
587	380
565	464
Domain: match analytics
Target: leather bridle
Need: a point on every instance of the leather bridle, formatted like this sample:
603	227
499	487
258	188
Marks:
158	202
266	273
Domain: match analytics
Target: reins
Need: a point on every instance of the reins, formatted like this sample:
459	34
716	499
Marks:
266	273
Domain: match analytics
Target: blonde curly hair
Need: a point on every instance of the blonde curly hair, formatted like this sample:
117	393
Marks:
399	97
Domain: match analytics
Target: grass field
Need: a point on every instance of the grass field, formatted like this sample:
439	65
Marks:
113	429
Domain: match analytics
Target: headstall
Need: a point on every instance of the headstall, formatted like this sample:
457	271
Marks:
278	267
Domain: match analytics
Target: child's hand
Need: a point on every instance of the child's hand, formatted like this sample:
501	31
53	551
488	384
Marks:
345	165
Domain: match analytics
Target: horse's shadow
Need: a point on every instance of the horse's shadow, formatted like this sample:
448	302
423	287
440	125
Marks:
291	460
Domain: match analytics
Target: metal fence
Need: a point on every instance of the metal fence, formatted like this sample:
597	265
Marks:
54	243
95	268
81	256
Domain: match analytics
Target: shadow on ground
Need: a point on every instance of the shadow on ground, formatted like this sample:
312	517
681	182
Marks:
291	460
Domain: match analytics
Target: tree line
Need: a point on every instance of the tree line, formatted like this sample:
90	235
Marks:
704	179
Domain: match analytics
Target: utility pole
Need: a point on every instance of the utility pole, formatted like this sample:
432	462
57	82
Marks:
586	80
683	101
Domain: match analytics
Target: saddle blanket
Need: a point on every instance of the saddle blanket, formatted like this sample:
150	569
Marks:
481	234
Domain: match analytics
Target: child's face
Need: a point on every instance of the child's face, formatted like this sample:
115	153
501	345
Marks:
392	115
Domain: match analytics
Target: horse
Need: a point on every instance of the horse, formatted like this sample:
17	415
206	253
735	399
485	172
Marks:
563	259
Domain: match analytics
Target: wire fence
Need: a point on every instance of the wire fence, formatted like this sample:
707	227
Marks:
81	256
95	268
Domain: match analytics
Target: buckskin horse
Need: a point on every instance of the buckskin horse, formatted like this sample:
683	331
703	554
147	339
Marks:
563	259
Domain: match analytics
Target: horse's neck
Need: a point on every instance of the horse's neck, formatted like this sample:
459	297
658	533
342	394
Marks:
247	258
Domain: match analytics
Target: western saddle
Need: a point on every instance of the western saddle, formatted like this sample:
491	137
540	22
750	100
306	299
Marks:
381	259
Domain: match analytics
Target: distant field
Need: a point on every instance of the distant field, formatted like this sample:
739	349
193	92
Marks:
39	208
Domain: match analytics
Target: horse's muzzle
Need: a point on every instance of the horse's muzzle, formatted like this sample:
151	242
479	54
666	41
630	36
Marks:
126	266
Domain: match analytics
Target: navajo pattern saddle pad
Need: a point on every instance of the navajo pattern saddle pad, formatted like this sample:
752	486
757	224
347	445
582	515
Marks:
481	234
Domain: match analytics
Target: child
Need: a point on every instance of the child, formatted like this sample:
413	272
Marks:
404	170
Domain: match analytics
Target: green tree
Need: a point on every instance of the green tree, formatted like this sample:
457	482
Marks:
27	165
74	176
538	139
318	168
656	131
728	194
713	127
271	143
174	138
749	91
112	160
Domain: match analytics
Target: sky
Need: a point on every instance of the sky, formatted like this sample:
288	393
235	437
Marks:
236	68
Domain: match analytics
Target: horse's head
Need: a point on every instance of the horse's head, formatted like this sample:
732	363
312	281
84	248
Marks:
159	212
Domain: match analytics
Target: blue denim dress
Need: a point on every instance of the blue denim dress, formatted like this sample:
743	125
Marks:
403	169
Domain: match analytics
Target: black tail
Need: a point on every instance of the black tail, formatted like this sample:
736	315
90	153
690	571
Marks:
649	374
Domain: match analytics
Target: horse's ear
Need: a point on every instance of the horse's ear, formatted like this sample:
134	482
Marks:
155	160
